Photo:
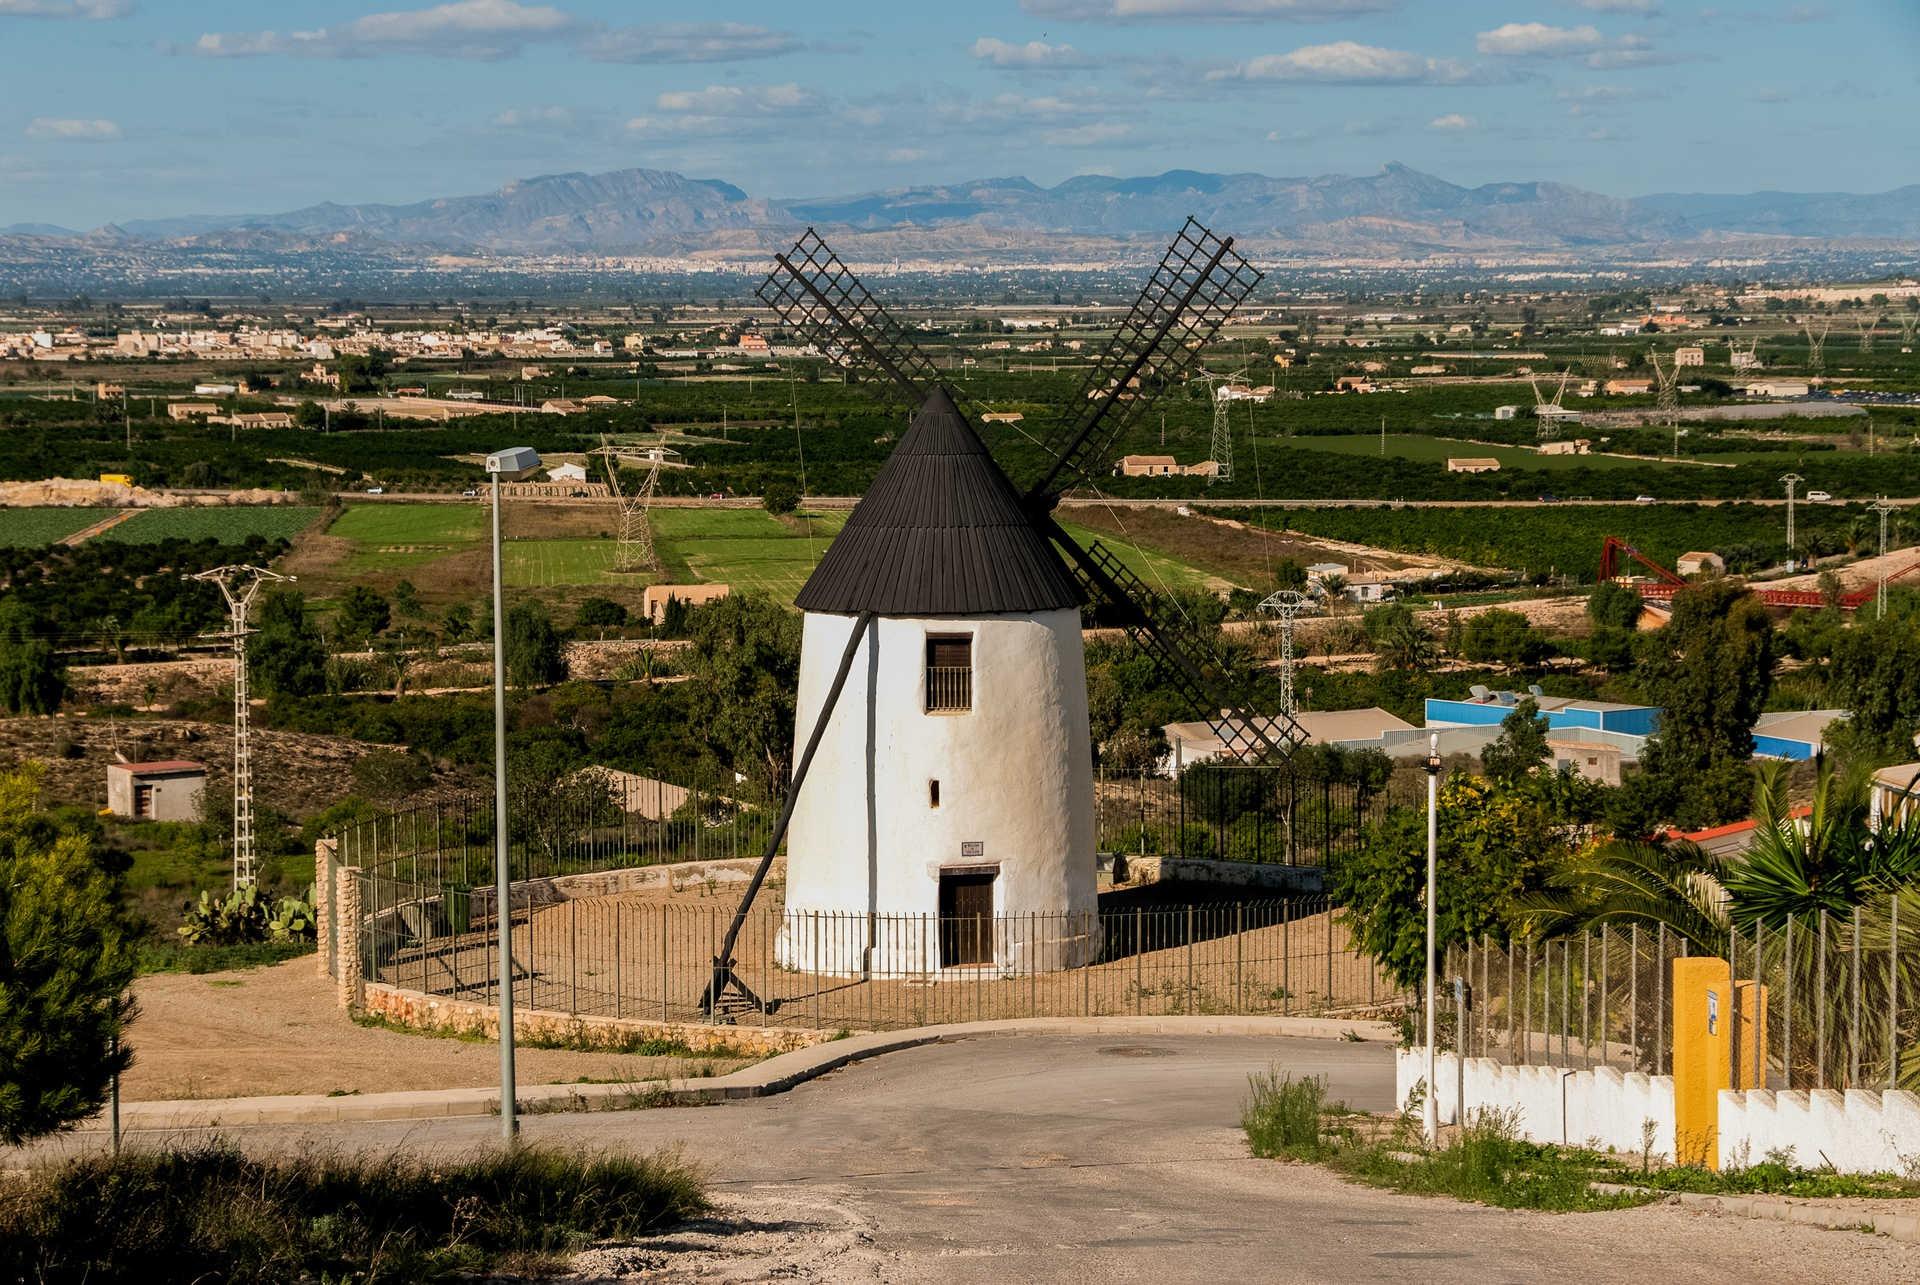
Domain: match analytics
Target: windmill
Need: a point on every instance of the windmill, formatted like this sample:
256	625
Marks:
1816	344
961	592
1551	413
1222	421
634	551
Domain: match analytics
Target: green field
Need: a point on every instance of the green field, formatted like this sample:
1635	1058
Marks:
554	564
1438	450
227	525
745	548
404	537
31	528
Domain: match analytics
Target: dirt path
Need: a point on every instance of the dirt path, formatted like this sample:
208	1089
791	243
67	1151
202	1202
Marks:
85	534
278	1030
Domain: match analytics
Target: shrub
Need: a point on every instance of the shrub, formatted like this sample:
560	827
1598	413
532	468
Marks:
66	961
243	916
1282	1115
212	1213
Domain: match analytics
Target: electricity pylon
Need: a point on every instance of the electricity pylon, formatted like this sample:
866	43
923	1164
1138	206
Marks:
1866	332
1792	480
1816	345
239	585
1667	408
1222	423
634	552
1885	510
1287	604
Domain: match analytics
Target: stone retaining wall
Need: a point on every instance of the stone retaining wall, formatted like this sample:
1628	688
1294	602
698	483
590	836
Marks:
535	1026
1251	876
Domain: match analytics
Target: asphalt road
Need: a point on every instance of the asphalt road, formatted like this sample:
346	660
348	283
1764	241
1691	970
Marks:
1106	1159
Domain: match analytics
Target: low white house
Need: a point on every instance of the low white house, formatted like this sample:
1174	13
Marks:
163	790
567	473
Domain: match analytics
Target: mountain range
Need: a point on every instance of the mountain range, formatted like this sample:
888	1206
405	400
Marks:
1398	210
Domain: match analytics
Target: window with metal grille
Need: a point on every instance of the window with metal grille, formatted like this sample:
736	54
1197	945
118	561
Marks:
949	673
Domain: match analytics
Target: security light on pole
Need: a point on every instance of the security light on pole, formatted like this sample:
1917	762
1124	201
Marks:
509	465
1433	854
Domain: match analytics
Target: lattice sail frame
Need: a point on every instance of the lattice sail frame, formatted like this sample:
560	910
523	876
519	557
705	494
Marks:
813	292
1196	286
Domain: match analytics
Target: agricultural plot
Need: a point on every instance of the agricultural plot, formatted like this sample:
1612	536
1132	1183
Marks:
1157	569
1438	450
226	525
401	538
32	528
745	548
556	564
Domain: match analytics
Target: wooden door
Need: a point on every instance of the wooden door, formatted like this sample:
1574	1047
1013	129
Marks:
966	917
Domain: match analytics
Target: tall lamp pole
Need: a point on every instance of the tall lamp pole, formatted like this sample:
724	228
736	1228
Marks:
1433	861
503	466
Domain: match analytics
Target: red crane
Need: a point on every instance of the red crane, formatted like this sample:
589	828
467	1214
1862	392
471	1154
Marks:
1671	582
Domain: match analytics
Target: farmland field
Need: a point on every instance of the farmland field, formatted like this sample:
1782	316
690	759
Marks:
404	537
1157	569
1439	449
227	525
554	564
746	548
31	528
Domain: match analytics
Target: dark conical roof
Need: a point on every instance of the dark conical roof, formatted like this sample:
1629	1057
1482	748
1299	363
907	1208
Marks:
940	533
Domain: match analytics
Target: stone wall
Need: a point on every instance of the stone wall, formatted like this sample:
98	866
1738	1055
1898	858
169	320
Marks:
1251	876
538	1026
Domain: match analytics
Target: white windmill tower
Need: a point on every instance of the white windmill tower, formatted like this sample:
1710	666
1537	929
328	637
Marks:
942	692
955	778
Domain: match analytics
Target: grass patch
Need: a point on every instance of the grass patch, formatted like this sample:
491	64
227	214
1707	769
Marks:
227	524
178	957
580	1038
212	1213
1488	1162
33	528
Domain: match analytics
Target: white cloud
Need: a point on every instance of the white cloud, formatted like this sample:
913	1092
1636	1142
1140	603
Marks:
1228	10
906	155
483	29
1086	135
1619	6
1033	54
1538	40
1345	62
1453	122
535	118
722	110
97	10
689	42
60	129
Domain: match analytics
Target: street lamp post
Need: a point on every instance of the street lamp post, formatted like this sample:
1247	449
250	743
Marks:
503	466
1433	855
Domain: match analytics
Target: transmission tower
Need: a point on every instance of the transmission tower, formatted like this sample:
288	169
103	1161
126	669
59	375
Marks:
1668	378
1885	510
1866	325
1909	322
1816	344
1287	604
1222	423
1747	358
239	585
1792	480
1548	412
634	552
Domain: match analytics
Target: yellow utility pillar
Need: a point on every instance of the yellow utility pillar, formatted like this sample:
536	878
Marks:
1703	1018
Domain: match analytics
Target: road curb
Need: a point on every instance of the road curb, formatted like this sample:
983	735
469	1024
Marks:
763	1079
1784	1209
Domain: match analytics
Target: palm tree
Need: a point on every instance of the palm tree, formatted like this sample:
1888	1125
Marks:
1629	881
1407	645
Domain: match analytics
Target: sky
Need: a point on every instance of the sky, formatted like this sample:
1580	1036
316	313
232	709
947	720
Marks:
122	109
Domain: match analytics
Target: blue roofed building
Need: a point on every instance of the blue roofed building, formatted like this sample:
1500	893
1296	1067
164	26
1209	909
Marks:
1487	708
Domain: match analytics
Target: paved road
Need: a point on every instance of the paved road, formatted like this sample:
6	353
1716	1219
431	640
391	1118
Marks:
1108	1159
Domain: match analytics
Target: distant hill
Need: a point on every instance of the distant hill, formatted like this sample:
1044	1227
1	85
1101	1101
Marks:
1398	210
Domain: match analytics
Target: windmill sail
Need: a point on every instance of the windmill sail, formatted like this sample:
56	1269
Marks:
813	292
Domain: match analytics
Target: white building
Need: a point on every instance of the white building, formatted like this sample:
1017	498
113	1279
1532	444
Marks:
947	821
567	473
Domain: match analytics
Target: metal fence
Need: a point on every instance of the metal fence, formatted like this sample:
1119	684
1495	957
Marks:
625	956
1823	1002
1236	812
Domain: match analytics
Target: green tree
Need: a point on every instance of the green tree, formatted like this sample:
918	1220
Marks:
599	613
1497	846
779	498
1501	637
66	963
284	654
1521	745
535	653
1710	671
1874	674
744	658
363	613
32	680
1613	605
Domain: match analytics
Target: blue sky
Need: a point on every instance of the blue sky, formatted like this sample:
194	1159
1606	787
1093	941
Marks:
131	108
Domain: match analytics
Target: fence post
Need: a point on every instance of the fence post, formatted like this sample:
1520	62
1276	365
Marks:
351	927
815	915
1660	1001
1239	962
1786	956
1893	993
619	994
1189	1004
1820	1002
1586	993
1329	953
573	955
1853	1020
1286	958
1526	1022
1139	955
665	928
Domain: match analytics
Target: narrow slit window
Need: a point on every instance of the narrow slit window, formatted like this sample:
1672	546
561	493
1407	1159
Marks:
933	794
949	673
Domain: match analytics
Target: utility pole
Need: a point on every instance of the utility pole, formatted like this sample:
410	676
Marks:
239	585
1792	480
1383	437
1884	509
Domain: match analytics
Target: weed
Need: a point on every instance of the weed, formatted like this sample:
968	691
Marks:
1282	1115
213	1213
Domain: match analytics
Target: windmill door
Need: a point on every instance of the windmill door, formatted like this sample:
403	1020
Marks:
966	916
